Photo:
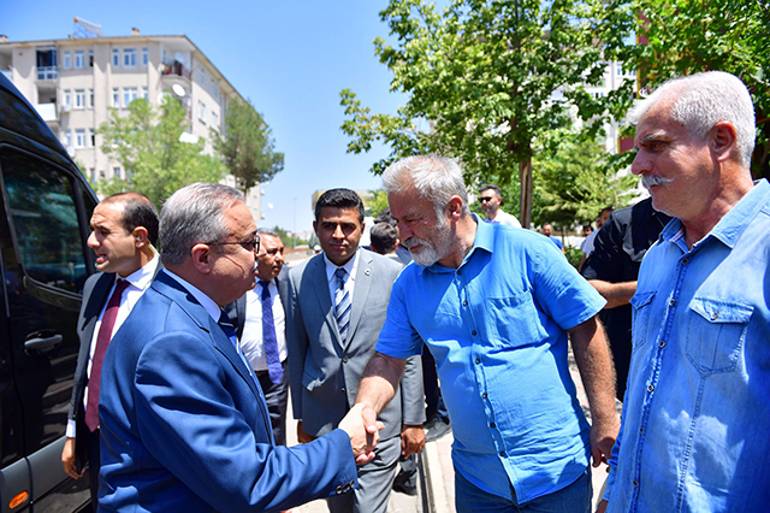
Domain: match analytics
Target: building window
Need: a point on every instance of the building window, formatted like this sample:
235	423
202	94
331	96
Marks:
68	138
116	172
80	98
91	58
92	137
91	174
145	93
102	174
201	112
129	94
129	57
145	56
115	57
214	119
67	98
67	61
79	62
90	98
80	138
116	97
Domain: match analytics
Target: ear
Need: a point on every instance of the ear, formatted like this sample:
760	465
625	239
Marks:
202	258
141	236
723	140
455	207
315	228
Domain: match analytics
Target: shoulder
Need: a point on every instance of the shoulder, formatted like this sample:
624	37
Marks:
295	273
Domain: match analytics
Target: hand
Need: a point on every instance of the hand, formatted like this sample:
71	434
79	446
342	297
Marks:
68	459
302	436
412	440
602	506
603	435
363	428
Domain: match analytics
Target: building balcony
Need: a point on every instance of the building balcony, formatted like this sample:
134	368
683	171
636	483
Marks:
48	112
47	73
175	69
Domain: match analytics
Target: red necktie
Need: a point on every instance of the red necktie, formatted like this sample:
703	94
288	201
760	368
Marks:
102	341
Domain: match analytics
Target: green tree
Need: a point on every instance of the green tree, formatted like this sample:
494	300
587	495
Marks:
288	238
147	144
485	80
247	147
576	182
377	204
685	37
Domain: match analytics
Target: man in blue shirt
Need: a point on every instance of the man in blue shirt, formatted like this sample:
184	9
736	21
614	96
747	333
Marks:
495	305
696	417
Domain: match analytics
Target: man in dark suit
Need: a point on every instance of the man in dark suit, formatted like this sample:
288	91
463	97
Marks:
338	304
184	422
260	320
124	229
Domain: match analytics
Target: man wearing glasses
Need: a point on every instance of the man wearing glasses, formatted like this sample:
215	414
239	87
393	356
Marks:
184	422
491	200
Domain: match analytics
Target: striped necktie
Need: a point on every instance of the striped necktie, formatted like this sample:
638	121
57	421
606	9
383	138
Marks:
342	304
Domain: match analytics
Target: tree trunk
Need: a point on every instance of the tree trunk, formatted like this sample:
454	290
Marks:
525	197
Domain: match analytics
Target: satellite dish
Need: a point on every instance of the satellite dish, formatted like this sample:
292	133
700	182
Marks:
178	90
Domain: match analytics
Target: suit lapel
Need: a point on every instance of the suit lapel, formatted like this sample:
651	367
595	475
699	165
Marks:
320	284
361	291
96	301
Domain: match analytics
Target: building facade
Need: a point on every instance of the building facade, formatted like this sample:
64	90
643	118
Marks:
74	83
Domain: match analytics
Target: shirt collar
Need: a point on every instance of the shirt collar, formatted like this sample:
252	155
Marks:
349	266
729	229
142	277
206	302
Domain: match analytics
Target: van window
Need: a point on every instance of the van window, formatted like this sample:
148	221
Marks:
42	209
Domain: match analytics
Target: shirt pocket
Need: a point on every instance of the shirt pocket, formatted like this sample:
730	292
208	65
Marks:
716	331
514	321
642	323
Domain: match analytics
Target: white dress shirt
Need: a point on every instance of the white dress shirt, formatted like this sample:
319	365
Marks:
251	340
351	267
138	282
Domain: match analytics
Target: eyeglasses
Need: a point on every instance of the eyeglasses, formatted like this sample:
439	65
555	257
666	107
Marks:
484	199
248	245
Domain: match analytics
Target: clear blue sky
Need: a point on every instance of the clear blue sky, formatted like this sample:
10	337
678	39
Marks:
290	57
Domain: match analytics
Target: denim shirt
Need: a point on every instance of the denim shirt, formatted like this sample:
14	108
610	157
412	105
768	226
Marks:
695	434
496	327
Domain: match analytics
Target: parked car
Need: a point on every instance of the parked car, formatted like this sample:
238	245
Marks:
46	206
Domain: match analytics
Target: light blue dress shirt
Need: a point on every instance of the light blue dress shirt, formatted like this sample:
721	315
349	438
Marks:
695	435
496	327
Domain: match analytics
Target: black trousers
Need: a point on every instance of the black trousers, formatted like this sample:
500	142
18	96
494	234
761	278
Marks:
277	397
92	445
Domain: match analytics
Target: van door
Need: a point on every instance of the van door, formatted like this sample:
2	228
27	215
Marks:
44	259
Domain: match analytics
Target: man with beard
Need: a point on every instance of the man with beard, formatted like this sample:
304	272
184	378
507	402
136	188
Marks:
495	307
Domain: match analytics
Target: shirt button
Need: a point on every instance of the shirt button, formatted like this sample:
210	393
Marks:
484	395
478	360
685	261
672	302
501	453
636	483
344	359
492	425
465	302
662	344
474	333
650	388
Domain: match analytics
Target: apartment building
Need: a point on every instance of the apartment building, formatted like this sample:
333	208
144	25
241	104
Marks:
74	82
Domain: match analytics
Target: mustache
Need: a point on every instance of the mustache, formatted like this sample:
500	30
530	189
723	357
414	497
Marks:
414	241
650	180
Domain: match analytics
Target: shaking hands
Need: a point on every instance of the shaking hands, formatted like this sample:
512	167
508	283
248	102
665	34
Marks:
362	426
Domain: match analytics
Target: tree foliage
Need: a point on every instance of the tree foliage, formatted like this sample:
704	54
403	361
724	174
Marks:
247	147
576	182
146	142
485	80
684	37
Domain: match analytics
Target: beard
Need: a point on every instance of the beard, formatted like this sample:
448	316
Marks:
431	251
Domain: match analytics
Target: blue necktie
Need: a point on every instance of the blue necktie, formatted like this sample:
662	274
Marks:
269	341
342	304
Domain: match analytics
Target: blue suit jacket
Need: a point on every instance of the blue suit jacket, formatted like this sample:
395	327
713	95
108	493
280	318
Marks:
184	426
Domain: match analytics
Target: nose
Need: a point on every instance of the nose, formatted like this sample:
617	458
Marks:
92	242
404	232
279	257
640	164
338	233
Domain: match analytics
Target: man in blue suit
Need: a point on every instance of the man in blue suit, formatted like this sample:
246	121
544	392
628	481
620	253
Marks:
184	423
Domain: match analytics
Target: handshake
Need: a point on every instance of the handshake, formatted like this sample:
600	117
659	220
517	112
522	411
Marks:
362	426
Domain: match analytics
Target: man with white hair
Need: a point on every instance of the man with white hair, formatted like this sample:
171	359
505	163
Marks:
495	306
696	417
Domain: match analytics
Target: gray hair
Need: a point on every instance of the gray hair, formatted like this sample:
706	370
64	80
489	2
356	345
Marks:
192	215
433	177
704	99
